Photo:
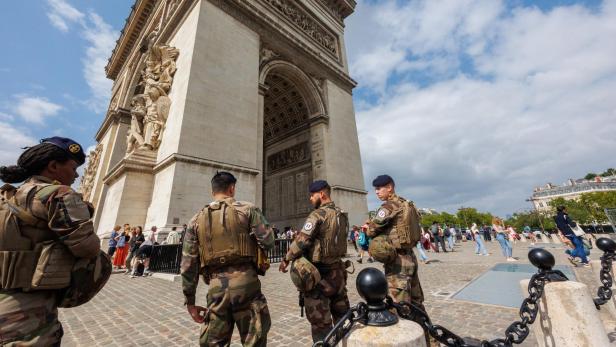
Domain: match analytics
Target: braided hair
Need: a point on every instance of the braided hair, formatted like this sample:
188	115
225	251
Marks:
32	162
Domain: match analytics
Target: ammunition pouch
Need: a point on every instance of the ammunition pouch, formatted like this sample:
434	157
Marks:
53	268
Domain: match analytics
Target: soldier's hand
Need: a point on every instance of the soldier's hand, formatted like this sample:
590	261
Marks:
283	266
197	313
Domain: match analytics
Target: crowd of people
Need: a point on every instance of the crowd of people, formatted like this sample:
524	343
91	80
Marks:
131	248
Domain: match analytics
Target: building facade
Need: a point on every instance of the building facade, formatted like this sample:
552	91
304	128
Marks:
571	190
259	88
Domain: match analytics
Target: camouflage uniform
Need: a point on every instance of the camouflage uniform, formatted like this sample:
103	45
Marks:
31	318
402	278
328	302
234	294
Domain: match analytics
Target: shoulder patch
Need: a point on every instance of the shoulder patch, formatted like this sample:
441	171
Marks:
308	226
76	208
382	213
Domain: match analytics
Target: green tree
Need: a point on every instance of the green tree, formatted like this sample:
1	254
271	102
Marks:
575	209
590	176
609	172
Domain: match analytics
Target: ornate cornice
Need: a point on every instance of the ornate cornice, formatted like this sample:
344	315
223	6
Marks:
133	25
339	9
306	23
268	27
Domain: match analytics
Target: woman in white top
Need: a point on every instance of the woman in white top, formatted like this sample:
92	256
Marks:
480	248
501	237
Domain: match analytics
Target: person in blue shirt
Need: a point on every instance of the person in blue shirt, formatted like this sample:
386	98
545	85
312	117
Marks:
564	224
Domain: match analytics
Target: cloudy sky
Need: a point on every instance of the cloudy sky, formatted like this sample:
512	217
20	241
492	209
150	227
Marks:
465	103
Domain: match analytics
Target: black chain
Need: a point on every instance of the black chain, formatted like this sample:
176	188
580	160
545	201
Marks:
604	292
357	313
516	333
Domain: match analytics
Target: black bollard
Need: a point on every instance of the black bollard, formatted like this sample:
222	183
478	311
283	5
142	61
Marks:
606	245
372	286
545	261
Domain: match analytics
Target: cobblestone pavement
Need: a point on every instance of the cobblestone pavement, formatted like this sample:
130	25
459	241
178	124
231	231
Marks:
149	311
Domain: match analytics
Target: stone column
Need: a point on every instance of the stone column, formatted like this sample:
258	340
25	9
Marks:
567	316
405	333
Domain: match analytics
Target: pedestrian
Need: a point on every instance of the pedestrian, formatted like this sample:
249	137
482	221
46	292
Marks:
352	237
501	237
422	251
319	249
395	231
513	235
121	253
226	241
364	244
437	233
135	241
45	215
565	226
487	233
480	248
531	235
113	242
449	234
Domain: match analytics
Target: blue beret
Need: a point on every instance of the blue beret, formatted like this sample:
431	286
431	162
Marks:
318	186
74	150
382	180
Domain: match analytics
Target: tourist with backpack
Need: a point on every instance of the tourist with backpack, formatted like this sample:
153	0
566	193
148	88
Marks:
364	243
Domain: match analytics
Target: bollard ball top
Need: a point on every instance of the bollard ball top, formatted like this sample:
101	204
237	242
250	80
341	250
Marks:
371	285
541	258
605	244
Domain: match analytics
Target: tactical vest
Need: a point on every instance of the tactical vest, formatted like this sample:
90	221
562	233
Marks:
406	231
223	239
30	256
330	244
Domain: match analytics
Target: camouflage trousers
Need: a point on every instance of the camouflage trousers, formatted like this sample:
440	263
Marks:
325	306
403	283
234	298
29	319
402	278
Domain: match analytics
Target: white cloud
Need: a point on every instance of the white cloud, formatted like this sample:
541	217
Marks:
12	139
34	109
100	37
61	14
521	97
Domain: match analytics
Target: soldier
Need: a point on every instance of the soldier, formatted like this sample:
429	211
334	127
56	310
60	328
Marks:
317	269
395	231
225	242
49	252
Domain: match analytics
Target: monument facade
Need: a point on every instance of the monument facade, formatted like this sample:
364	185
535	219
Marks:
259	88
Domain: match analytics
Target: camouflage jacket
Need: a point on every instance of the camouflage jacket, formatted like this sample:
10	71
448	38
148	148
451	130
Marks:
304	240
60	213
385	216
249	215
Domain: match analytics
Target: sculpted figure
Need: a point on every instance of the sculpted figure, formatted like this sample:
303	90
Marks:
135	133
157	79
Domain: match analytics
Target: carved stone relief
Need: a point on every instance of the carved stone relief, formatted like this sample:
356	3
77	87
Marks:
299	17
289	157
149	111
267	55
87	181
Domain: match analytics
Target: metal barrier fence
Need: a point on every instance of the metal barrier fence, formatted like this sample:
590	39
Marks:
166	258
276	254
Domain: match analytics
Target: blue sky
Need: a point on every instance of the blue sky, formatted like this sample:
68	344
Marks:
464	102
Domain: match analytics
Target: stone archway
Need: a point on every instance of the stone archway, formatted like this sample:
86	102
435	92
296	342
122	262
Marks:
290	105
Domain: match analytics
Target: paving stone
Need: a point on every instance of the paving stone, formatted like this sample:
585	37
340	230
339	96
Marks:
150	311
